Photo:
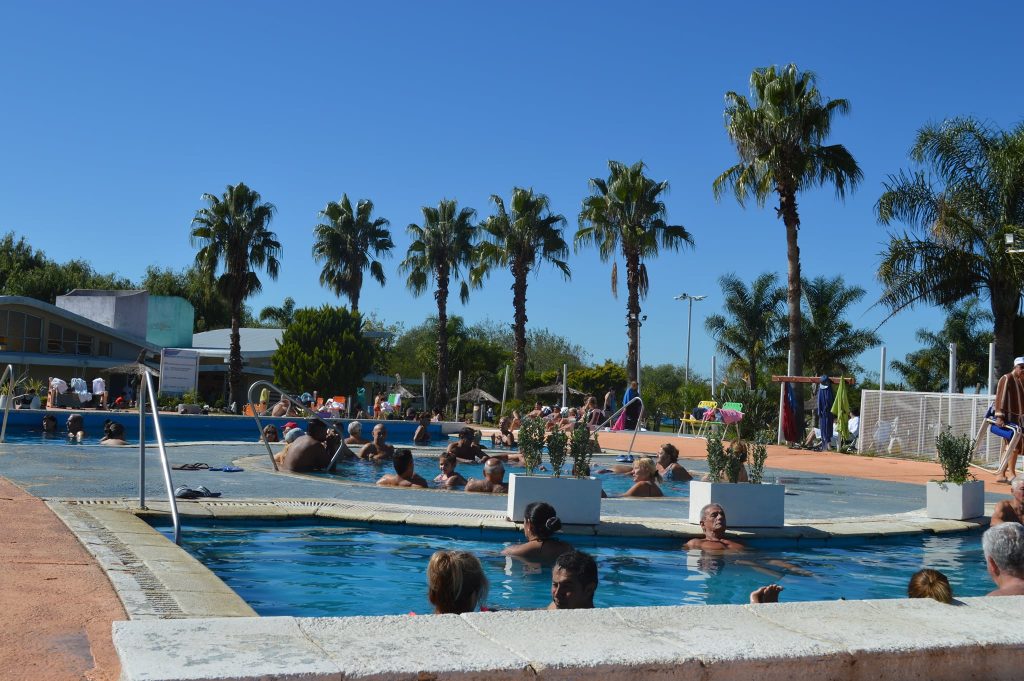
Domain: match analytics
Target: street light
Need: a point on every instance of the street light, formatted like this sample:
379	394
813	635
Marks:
689	321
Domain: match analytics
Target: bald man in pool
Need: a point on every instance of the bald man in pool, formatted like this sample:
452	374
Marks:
494	479
712	521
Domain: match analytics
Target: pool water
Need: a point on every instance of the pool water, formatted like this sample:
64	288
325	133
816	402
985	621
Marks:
319	570
427	467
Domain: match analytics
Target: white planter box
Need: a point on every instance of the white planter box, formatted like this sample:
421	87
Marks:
577	500
956	502
745	505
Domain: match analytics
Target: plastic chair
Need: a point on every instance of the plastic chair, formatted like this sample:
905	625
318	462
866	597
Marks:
1011	433
690	421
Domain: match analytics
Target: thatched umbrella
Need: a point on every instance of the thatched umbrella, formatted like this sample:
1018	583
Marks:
554	389
403	392
134	369
476	395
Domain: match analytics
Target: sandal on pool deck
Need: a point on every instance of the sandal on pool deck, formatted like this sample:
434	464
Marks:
203	492
227	469
191	467
184	492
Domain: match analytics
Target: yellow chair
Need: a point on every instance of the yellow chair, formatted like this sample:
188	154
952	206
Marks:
690	421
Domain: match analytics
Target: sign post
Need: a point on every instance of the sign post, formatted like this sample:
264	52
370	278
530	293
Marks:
179	371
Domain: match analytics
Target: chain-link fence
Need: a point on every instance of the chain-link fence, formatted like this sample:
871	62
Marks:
906	423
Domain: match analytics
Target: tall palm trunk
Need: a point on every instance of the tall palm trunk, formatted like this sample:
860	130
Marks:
441	296
788	212
235	357
633	313
357	287
1004	302
519	274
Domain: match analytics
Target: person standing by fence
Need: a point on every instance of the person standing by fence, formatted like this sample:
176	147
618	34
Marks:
1010	410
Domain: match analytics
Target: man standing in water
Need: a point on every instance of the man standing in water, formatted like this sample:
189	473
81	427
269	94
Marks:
1009	409
712	521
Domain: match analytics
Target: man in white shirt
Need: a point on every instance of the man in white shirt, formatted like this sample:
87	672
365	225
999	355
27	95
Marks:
99	389
853	425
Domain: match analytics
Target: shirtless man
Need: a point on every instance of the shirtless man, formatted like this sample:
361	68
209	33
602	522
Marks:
712	521
504	436
355	434
1011	510
405	474
114	436
1004	558
1009	408
494	479
310	452
465	448
422	434
573	581
379	449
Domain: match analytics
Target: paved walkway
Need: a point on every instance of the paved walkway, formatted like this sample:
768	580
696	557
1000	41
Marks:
56	604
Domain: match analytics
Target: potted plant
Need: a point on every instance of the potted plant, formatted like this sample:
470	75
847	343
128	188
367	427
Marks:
531	443
577	498
752	504
958	495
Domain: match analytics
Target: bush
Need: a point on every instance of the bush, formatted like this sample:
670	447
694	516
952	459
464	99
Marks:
716	457
758	455
954	456
557	441
324	350
580	449
531	443
760	411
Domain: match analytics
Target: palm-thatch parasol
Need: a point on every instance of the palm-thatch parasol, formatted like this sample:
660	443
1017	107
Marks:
554	389
403	392
476	395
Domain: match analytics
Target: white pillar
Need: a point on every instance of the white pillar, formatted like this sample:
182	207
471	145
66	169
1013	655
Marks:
714	377
952	368
458	392
423	377
565	386
881	372
504	391
991	368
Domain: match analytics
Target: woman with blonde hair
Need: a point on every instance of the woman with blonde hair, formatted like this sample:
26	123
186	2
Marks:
645	479
456	582
930	583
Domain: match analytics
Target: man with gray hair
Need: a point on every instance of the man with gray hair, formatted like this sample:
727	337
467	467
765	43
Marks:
1011	510
494	478
1004	557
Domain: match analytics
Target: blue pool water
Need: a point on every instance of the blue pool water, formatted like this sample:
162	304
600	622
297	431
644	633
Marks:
427	467
317	570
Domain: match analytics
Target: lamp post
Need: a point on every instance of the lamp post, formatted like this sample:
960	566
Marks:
689	321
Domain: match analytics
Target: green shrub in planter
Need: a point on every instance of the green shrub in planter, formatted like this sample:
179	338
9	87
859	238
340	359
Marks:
954	456
531	443
716	457
758	455
580	449
557	441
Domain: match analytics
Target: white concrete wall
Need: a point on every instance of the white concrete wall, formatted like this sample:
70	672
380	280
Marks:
837	640
125	311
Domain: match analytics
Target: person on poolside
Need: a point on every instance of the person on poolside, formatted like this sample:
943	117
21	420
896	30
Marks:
645	475
114	435
312	451
466	448
493	481
355	434
1011	510
405	472
668	464
504	436
573	581
49	423
540	522
633	410
932	584
712	521
1009	409
448	477
270	433
1004	558
456	582
422	434
378	449
76	427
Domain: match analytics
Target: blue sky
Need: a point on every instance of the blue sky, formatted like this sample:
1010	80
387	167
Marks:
116	117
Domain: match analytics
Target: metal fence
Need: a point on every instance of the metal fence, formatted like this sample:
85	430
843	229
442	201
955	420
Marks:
906	423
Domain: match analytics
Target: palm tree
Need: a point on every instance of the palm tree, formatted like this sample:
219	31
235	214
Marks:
779	135
441	247
348	242
625	213
832	342
521	240
927	369
281	316
233	237
960	221
752	333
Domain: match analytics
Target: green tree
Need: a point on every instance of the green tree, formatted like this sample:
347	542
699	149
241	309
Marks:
927	369
832	343
17	258
442	246
349	242
779	134
282	316
54	279
234	239
752	331
968	196
521	239
625	214
323	349
598	380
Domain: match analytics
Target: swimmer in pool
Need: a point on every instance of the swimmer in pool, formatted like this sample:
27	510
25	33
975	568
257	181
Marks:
405	472
712	521
540	523
448	477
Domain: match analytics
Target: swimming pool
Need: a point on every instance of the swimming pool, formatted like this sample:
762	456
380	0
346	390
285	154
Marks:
335	569
427	466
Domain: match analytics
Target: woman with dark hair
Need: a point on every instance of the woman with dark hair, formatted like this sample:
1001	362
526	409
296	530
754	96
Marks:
456	582
669	466
540	522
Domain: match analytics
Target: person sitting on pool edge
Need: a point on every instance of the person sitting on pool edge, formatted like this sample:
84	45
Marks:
311	452
355	434
493	481
1004	558
379	449
456	582
466	448
448	477
573	581
712	521
504	436
113	435
540	522
645	475
1011	510
668	464
405	472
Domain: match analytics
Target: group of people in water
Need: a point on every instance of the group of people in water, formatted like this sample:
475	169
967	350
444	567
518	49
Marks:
113	431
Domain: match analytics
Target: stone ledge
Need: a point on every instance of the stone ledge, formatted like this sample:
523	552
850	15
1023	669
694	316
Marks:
839	640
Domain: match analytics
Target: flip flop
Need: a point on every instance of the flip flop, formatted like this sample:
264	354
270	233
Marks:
192	467
203	492
227	469
184	492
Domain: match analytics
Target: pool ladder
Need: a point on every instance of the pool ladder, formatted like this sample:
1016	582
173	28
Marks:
293	403
618	411
146	389
8	372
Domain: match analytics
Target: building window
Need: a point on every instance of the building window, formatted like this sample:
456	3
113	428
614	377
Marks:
61	339
106	349
19	331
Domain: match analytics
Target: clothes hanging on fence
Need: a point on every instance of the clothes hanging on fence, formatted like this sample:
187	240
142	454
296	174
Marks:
825	419
789	431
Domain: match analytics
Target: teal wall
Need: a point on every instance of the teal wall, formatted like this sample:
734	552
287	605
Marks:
169	322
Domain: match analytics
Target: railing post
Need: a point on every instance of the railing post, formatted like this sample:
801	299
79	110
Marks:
9	371
141	393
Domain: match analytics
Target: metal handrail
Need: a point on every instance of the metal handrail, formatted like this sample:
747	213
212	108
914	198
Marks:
146	388
291	404
9	371
618	411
